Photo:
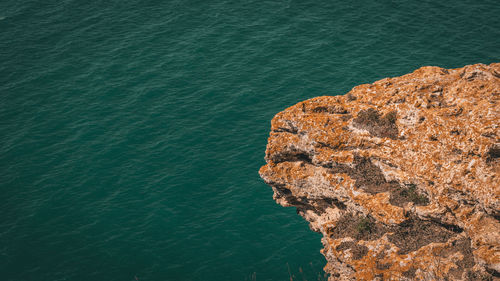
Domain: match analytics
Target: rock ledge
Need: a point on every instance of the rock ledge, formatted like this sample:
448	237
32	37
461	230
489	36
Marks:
402	176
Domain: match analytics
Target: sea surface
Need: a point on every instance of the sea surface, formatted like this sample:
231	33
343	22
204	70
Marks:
131	132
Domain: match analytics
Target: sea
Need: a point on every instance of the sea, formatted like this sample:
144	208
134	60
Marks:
132	132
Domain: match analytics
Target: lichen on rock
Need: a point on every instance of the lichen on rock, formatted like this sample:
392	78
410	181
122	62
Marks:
402	176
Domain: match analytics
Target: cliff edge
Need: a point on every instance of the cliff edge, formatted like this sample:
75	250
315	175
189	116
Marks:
402	176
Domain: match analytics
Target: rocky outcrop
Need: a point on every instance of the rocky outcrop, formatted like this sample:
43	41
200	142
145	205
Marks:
400	176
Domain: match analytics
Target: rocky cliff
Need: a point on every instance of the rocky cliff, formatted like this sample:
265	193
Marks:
402	176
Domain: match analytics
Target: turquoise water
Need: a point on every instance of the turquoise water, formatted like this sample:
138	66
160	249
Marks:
131	132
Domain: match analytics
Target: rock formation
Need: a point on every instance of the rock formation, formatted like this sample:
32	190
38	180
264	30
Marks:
402	176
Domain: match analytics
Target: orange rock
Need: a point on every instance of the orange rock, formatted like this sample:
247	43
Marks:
402	176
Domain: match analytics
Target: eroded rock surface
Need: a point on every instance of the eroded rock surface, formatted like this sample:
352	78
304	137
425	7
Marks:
400	176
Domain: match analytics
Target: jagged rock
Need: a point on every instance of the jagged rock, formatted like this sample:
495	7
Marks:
400	176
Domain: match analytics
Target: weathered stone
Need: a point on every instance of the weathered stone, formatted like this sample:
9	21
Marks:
402	176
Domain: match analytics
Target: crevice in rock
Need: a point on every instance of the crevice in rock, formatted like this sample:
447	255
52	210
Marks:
303	204
472	75
334	109
493	272
291	156
280	190
326	145
287	130
304	157
450	227
292	129
491	135
337	147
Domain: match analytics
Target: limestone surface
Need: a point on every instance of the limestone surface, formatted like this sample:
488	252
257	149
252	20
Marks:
402	176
